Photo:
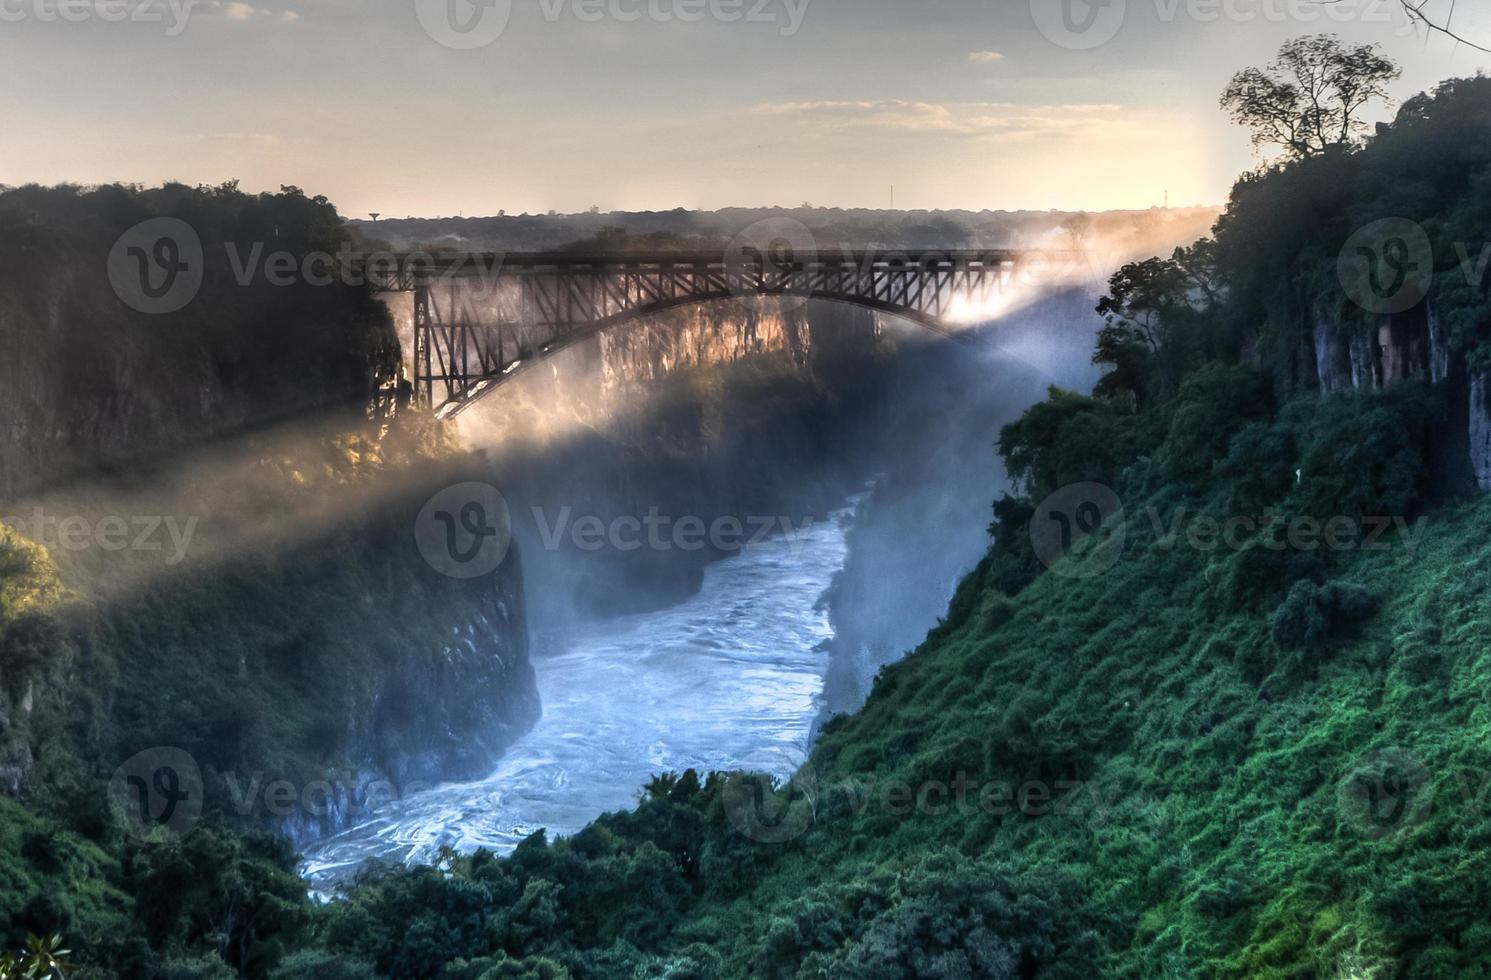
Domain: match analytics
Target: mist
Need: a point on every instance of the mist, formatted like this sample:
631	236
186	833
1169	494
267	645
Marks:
783	411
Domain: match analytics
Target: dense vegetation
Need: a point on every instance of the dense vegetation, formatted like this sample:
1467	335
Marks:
88	378
1173	753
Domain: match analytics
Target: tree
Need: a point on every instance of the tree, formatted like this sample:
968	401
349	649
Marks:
1138	296
1418	13
1309	99
44	959
1156	313
1198	265
1078	227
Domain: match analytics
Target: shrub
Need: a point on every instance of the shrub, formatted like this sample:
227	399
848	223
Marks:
1367	455
1066	439
1259	468
321	965
1314	616
205	967
1214	403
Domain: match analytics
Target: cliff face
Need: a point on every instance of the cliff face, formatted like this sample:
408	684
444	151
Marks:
70	399
434	713
1480	432
702	336
1406	347
449	714
88	379
326	656
292	634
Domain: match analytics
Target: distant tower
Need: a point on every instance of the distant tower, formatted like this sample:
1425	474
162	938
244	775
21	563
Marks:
375	215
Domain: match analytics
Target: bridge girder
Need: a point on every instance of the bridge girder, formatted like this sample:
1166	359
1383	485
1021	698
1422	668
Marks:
539	303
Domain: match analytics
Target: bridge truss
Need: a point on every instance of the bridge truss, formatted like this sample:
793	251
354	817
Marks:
480	318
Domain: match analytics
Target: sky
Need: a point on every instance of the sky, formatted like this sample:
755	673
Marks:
446	107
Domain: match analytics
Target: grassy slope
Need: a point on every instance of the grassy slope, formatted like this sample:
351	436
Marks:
1228	840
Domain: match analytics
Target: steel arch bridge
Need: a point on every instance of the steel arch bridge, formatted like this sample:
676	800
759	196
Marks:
503	312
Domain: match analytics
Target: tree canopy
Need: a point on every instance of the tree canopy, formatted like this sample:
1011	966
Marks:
1309	99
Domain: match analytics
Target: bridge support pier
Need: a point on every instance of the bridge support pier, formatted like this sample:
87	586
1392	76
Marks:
424	382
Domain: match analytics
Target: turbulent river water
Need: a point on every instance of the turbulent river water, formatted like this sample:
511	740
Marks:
729	680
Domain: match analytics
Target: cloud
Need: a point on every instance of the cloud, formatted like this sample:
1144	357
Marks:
985	57
953	119
251	139
242	13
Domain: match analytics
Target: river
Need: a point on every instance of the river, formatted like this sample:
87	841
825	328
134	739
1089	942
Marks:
730	679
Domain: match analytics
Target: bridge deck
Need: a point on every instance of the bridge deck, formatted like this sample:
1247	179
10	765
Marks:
503	311
401	271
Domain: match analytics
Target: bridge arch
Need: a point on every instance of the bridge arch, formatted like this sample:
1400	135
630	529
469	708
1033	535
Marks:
546	302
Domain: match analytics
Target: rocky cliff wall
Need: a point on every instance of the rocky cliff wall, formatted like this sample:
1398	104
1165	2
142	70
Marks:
1409	346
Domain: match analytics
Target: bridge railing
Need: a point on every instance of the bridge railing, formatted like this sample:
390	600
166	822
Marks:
402	271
